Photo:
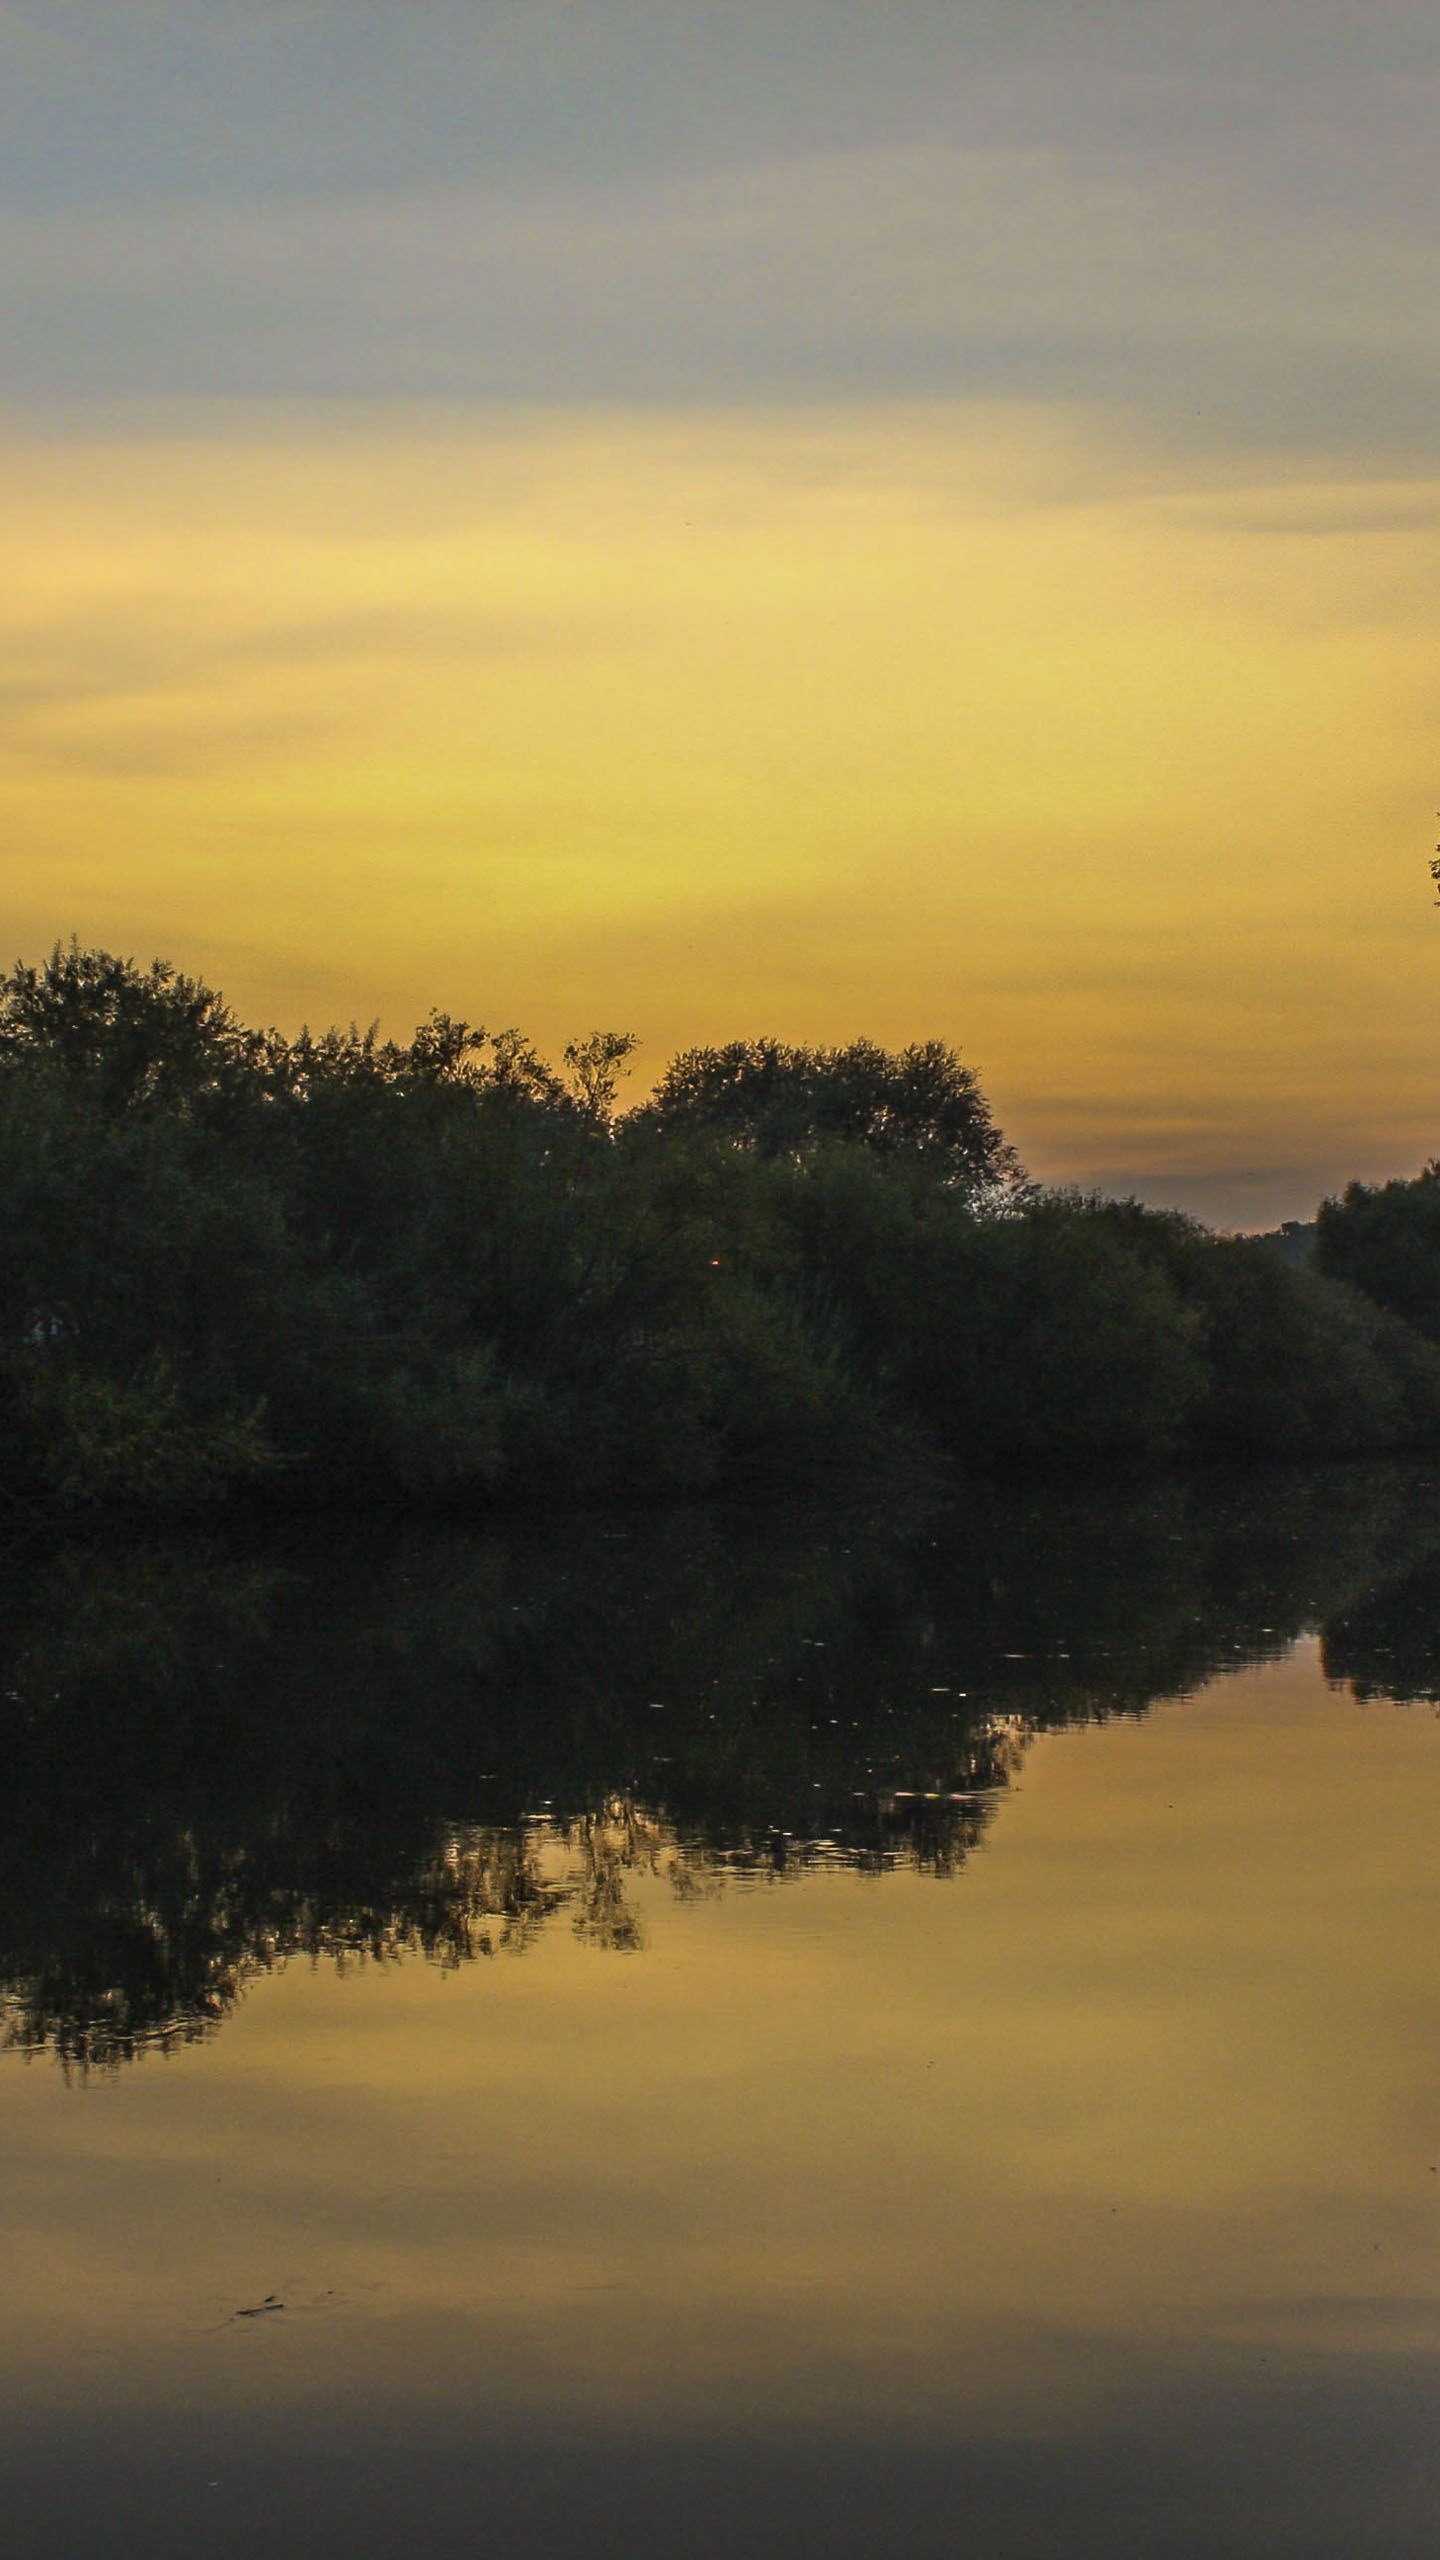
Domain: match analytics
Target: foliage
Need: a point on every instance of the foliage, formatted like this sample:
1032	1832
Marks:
337	1267
1385	1239
919	1103
138	1036
1048	1338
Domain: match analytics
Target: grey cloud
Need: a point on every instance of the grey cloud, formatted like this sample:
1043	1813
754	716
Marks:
393	633
852	275
114	100
1221	218
100	657
188	746
1390	511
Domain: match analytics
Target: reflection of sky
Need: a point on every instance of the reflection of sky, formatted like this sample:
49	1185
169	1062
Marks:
822	518
1119	2148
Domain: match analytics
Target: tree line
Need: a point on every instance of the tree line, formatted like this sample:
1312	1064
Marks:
332	1267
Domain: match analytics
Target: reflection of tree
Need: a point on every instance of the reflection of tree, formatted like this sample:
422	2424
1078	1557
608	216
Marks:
440	1745
1389	1645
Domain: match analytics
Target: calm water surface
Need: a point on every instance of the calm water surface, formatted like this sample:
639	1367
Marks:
733	2037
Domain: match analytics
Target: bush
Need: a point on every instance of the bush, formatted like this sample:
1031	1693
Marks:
1043	1337
1386	1240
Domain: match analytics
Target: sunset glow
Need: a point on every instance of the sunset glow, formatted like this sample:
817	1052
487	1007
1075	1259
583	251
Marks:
959	566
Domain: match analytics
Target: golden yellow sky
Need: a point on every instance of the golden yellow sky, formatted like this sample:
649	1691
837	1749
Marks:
956	719
814	520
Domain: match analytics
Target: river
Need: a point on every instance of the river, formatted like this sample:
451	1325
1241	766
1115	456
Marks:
724	2033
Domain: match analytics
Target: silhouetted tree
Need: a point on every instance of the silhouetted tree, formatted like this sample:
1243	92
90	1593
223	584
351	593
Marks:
1385	1239
919	1104
138	1035
594	1068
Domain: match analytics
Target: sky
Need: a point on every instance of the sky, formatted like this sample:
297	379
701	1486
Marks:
915	520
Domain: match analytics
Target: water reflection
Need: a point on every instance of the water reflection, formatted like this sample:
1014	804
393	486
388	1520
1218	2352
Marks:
1387	1644
801	2056
446	1744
